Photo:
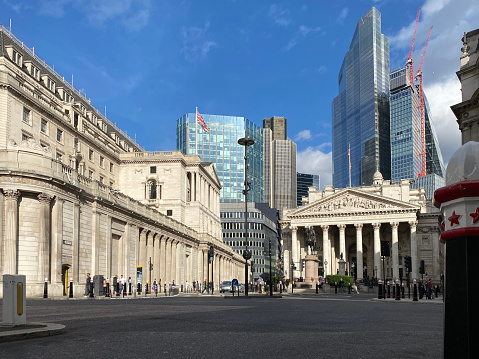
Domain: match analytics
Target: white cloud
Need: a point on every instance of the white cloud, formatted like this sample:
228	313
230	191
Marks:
450	20
314	160
342	15
279	15
302	31
196	44
303	135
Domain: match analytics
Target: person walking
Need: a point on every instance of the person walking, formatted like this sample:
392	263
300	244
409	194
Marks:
87	285
429	288
341	286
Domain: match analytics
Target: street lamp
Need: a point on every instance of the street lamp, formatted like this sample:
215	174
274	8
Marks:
270	275
245	141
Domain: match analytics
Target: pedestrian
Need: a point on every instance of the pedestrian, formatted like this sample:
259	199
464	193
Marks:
87	285
122	284
429	288
341	286
155	285
421	289
186	287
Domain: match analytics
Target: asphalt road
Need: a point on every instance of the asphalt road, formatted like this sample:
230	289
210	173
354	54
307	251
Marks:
323	326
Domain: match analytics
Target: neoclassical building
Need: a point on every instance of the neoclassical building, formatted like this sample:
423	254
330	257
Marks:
350	223
78	195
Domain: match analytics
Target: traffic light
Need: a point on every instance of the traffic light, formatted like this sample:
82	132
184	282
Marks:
211	252
407	263
422	270
385	248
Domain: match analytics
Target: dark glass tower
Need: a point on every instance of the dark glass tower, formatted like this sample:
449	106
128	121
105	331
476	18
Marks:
361	110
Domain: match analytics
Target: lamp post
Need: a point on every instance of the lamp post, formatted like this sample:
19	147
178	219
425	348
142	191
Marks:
245	141
270	275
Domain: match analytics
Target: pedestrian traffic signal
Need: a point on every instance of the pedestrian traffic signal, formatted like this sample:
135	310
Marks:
422	269
385	248
407	263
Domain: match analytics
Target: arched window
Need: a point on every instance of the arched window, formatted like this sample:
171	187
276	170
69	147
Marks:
152	194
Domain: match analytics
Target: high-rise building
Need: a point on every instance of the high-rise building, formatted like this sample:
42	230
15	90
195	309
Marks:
361	110
304	181
279	164
220	146
406	158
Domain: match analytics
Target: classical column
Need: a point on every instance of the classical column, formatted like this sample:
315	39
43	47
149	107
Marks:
95	241
167	278
377	251
414	259
57	241
142	250
75	269
395	249
326	250
205	265
294	251
162	259
359	251
342	240
126	252
156	257
436	272
11	232
44	236
174	248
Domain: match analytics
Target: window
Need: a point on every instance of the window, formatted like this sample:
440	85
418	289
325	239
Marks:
44	126
152	194
111	167
90	174
111	184
59	157
101	179
59	135
50	84
169	212
25	137
153	169
26	115
34	72
75	144
90	155
67	97
17	58
102	160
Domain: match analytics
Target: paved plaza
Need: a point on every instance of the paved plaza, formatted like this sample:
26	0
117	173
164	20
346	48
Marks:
306	326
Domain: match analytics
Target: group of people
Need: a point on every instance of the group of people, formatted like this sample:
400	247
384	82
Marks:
425	289
119	285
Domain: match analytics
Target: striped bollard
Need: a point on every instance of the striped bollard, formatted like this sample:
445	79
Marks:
70	295
45	289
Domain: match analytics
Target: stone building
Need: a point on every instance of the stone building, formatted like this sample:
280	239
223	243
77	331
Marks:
77	195
350	223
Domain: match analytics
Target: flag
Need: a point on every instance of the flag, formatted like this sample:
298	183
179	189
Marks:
205	128
199	118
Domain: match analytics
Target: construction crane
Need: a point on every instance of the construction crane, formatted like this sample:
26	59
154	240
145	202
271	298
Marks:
421	108
409	63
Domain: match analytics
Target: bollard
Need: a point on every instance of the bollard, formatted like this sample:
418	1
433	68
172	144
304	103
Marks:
45	289
380	289
129	286
335	287
414	293
281	288
394	290
389	290
70	295
91	288
349	288
402	292
182	288
398	294
146	289
165	289
107	292
316	288
138	287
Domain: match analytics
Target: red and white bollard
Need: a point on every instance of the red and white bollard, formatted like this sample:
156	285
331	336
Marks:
70	295
45	289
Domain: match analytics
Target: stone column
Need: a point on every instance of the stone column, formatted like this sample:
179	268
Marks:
162	262
174	248
149	254
414	258
75	269
167	278
326	251
294	251
44	236
10	232
56	242
142	250
193	187
95	241
436	273
359	250
156	257
342	240
395	249
126	252
377	251
205	265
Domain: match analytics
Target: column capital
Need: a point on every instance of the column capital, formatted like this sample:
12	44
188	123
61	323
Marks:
376	225
325	227
413	224
11	194
358	226
294	228
342	226
394	225
44	198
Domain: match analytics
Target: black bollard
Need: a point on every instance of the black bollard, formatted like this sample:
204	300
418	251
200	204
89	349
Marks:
129	286
138	288
349	288
107	292
380	289
402	292
70	295
398	294
389	290
394	290
146	289
414	293
165	289
45	289
91	288
335	287
317	287
182	288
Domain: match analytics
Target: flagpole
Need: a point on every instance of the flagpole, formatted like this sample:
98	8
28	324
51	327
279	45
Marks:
196	131
349	156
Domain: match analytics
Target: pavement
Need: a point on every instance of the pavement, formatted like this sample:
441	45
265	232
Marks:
36	329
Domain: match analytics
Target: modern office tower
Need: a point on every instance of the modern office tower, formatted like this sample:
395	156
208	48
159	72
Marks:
263	231
406	159
361	110
304	181
220	146
279	164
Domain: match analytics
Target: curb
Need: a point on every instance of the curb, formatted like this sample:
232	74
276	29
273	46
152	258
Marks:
19	333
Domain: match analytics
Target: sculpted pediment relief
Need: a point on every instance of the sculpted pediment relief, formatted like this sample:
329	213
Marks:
351	201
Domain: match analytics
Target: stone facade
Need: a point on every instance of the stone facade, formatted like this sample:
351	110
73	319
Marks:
78	196
350	224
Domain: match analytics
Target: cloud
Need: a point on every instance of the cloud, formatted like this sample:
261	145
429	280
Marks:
302	31
342	15
314	160
279	15
303	135
196	43
450	20
18	7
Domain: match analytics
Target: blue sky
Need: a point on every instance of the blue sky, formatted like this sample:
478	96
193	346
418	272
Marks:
149	62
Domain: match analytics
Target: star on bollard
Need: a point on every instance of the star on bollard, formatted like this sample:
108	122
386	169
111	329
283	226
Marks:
475	216
454	218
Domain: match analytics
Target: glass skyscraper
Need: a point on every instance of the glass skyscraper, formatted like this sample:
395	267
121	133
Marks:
221	147
304	181
361	110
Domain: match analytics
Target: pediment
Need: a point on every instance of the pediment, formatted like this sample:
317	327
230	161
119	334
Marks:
352	201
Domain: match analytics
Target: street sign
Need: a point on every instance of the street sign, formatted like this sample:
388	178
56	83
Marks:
234	281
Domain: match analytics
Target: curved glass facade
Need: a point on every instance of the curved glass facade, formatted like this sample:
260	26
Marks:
221	147
361	110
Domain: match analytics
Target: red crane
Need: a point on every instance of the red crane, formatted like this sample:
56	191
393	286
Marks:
409	58
421	108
